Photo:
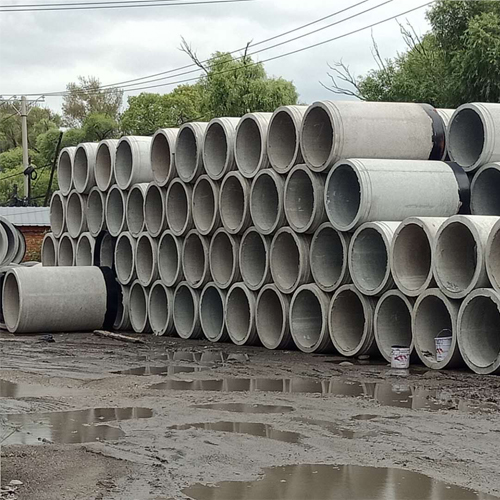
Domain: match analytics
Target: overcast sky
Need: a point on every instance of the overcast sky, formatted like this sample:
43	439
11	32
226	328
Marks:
43	51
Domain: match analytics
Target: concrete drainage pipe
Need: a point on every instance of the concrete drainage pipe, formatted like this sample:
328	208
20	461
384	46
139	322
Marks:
155	209
162	155
308	318
96	206
76	214
170	259
189	151
223	256
240	315
234	203
122	321
134	209
124	258
105	164
58	213
67	251
106	251
484	199
50	247
206	216
212	305
350	322
186	312
160	309
493	257
179	207
85	250
115	211
138	308
195	260
133	161
84	167
254	259
10	242
146	259
65	170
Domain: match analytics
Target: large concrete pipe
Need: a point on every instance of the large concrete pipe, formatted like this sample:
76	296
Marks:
116	202
350	322
411	254
445	115
266	201
134	209
484	199
59	299
155	209
106	253
57	213
334	130
96	207
11	243
105	164
493	257
195	261
170	259
138	308
163	155
206	215
212	305
368	257
65	170
186	312
250	149
21	248
360	191
472	135
392	322
283	138
289	260
308	317
76	214
271	318
189	151
122	320
254	259
459	254
146	259
328	257
477	331
160	309
124	257
304	199
49	251
85	250
240	315
223	258
218	147
133	161
234	203
84	167
179	207
435	316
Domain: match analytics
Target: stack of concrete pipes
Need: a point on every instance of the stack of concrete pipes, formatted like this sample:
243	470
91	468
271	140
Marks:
335	227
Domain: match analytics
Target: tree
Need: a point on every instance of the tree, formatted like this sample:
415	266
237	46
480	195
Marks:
97	127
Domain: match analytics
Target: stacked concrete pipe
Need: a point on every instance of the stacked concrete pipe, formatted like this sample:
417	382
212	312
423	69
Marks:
65	170
162	155
138	308
66	250
240	315
179	207
58	213
484	199
155	209
12	243
85	250
160	305
96	211
189	151
50	247
133	161
115	210
134	209
105	164
212	306
84	167
234	203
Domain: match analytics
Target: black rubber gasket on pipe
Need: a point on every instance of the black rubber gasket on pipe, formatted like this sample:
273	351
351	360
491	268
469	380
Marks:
113	297
463	187
438	132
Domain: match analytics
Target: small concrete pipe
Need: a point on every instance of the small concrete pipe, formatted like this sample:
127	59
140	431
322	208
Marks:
392	323
223	258
411	254
368	257
122	321
124	258
218	147
59	299
304	199
96	208
155	209
65	170
240	315
162	155
106	253
105	164
133	161
85	250
266	201
50	248
170	259
334	130
160	309
477	331
189	151
76	214
179	207
484	198
250	148
328	257
206	215
271	318
195	261
186	312
116	202
58	204
254	259
283	138
146	259
358	191
350	322
134	209
493	257
12	243
289	260
459	254
234	203
472	135
435	315
212	306
84	167
308	317
138	308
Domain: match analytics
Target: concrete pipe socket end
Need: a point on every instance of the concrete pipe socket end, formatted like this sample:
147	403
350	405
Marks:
162	155
57	214
67	251
206	216
122	321
134	209
124	258
266	201
138	308
223	258
186	312
155	209
195	259
170	259
133	161
160	309
84	167
254	259
76	214
234	203
85	250
240	315
179	207
49	251
484	190
115	211
96	207
188	151
350	322
106	251
308	317
65	170
212	305
105	164
146	264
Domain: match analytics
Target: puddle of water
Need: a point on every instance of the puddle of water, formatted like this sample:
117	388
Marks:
15	390
161	370
245	408
67	427
327	482
365	416
338	430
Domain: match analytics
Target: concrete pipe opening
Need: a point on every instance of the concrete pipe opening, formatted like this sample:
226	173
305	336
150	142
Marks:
206	205
115	211
169	259
316	137
155	210
254	259
104	169
186	317
11	301
134	209
123	163
248	147
49	250
240	315
195	259
124	258
107	251
85	250
76	220
57	214
266	201
80	169
485	187
466	138
282	141
188	155
179	217
66	255
96	221
234	203
160	309
224	267
162	156
138	308
215	150
212	302
65	170
145	259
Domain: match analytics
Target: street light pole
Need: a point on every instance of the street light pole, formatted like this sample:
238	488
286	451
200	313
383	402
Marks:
24	132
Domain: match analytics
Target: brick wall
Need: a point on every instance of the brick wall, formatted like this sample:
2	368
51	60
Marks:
33	236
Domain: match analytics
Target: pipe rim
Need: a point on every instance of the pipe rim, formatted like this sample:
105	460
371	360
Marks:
250	124
65	167
163	325
85	247
487	178
155	209
48	241
196	280
124	163
139	321
125	272
134	214
207	315
82	168
64	241
194	320
75	228
105	163
263	330
217	169
176	187
189	165
170	278
95	201
118	197
265	272
12	297
234	218
57	202
146	271
162	156
233	330
214	252
199	205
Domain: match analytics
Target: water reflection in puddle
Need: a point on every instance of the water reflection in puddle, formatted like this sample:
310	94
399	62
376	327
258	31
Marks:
326	482
245	408
161	370
19	390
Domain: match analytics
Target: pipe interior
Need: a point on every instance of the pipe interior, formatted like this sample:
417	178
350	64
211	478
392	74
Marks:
484	197
160	158
115	211
11	300
135	211
343	195
466	137
248	146
215	149
393	324
123	163
285	262
168	259
222	258
347	320
253	264
95	211
124	259
265	202
120	312
145	258
138	305
238	315
186	152
66	252
232	202
48	252
212	312
177	207
107	251
282	140
64	174
154	210
184	311
327	257
103	165
56	215
74	213
317	136
306	318
194	258
204	205
80	168
158	308
270	317
84	253
299	199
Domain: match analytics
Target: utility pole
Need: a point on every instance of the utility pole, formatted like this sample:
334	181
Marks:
26	163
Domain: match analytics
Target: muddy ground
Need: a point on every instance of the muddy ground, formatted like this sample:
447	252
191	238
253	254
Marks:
286	408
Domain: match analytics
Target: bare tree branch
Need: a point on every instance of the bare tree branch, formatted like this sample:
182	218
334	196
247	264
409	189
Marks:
342	72
187	49
376	53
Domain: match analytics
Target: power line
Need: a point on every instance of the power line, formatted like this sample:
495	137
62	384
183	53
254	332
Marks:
14	6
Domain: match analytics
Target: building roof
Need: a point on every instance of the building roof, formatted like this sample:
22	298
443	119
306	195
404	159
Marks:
26	216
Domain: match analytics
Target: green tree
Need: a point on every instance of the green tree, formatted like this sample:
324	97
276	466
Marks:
97	127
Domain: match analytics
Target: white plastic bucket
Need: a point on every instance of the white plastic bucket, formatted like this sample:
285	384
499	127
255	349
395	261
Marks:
400	357
443	345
